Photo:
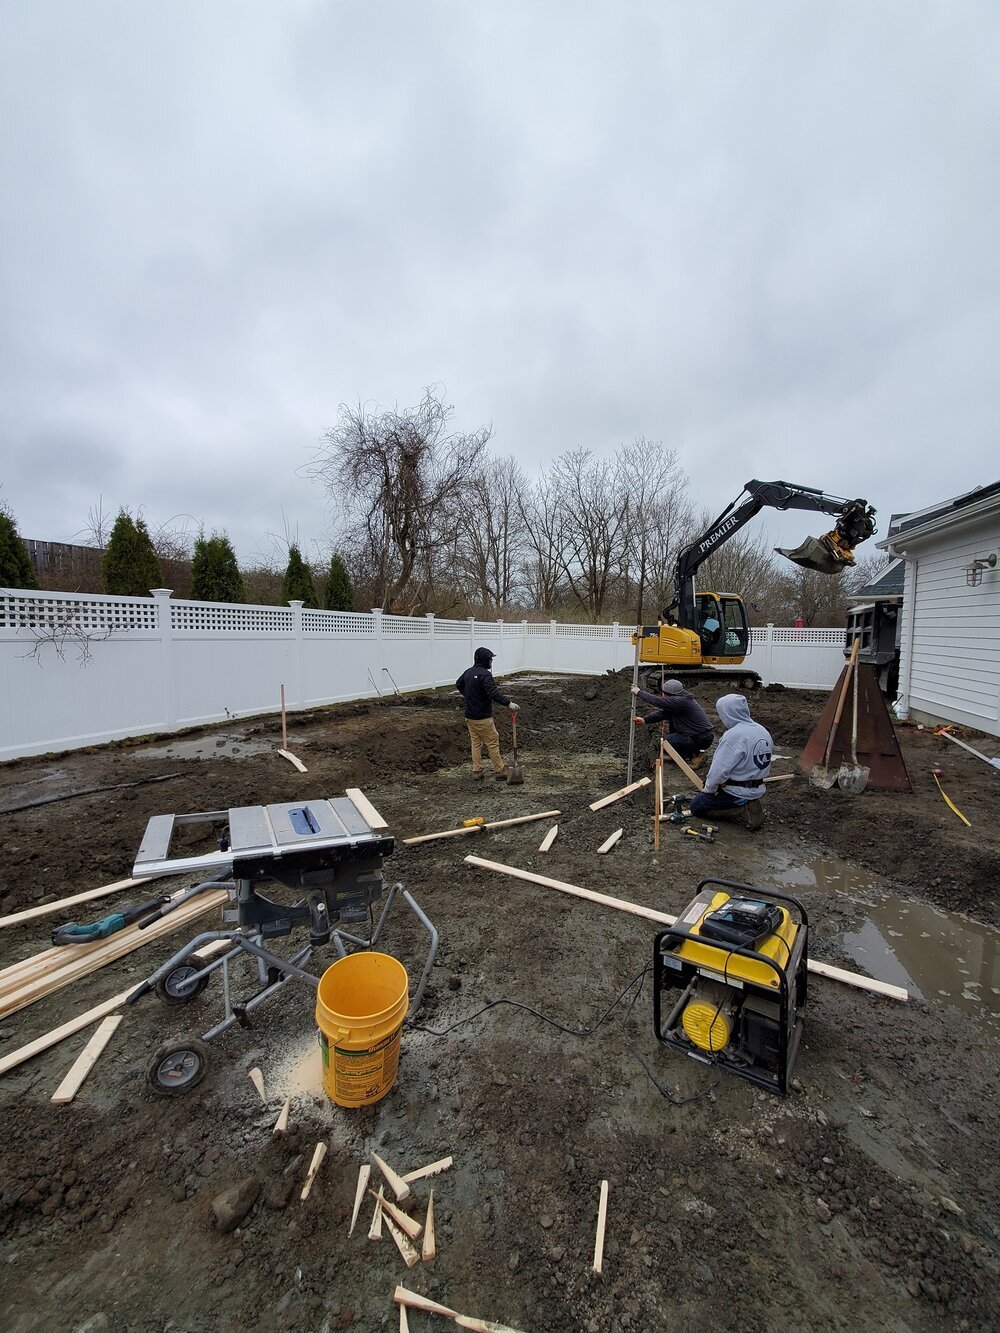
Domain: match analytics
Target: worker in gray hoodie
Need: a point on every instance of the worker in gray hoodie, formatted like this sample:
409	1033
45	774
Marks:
742	761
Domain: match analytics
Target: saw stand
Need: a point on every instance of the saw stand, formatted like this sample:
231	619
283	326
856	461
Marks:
332	850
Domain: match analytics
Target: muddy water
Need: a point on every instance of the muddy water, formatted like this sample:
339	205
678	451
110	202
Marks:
206	747
938	956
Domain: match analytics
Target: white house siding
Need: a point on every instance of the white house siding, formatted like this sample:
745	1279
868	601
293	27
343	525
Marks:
951	632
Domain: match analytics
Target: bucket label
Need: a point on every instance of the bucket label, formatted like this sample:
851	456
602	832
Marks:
361	1076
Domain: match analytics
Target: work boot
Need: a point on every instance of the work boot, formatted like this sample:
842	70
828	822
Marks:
697	760
477	775
754	811
501	776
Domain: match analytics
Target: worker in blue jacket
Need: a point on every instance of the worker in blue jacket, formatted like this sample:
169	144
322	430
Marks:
481	692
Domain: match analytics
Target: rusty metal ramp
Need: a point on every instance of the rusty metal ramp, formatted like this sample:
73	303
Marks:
877	746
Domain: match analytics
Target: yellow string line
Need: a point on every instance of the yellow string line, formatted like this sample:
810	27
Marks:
951	805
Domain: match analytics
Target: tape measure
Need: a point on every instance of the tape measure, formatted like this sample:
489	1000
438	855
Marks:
472	823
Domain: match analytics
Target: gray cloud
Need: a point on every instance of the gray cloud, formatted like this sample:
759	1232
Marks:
764	235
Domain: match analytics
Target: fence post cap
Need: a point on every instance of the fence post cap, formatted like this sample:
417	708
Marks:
160	592
297	603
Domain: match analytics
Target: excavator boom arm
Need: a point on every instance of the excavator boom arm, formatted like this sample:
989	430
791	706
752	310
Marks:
856	524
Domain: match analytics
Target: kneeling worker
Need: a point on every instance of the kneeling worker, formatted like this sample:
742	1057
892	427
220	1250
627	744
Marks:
481	691
741	763
690	730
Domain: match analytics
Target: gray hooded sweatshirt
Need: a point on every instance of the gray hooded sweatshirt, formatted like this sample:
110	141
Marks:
743	754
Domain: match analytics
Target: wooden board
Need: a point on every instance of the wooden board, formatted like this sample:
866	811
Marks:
293	759
63	904
481	828
549	838
620	793
662	918
683	765
86	1060
602	1218
365	808
116	946
608	843
67	1029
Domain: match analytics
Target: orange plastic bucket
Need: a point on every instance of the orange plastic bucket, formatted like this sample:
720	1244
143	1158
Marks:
361	1002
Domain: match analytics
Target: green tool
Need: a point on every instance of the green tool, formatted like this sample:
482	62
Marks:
74	933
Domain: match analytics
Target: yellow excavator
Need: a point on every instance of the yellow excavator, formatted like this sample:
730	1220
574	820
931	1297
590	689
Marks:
706	634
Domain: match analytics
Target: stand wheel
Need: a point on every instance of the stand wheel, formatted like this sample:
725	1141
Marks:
173	988
178	1066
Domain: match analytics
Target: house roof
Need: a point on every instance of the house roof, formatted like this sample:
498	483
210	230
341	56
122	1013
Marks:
943	515
888	584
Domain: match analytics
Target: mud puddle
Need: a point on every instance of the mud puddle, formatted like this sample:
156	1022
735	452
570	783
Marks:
940	957
207	747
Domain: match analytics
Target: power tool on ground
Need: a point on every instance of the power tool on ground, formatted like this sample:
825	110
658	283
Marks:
738	957
74	933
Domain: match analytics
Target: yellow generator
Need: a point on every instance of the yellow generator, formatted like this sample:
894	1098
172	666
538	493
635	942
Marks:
738	956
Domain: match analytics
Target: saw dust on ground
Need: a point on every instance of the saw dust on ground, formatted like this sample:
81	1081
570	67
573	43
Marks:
867	1197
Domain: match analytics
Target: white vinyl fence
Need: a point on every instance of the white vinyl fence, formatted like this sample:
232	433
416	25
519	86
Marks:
80	670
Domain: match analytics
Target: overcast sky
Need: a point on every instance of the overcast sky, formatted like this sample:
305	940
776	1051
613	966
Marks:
765	234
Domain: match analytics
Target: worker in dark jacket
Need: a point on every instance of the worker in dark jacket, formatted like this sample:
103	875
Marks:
690	730
481	692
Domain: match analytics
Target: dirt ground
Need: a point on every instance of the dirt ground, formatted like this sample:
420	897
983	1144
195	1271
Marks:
865	1198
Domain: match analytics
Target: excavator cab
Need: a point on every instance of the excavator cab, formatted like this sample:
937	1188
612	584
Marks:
721	639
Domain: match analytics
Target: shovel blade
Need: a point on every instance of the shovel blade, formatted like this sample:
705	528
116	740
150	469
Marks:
822	777
515	777
853	778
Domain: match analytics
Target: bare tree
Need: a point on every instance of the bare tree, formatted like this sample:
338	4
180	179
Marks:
401	474
541	514
492	527
658	513
593	509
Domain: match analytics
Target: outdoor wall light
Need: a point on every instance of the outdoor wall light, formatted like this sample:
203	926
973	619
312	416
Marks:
974	572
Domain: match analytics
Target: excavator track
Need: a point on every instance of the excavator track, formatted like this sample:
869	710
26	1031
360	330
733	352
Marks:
735	677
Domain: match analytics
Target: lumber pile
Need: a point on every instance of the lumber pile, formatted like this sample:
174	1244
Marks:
33	978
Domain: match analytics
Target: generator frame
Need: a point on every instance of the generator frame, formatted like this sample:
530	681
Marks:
683	974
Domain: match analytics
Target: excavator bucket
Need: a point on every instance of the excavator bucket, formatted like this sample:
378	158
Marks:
819	553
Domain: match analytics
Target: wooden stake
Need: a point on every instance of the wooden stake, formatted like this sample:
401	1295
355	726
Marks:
363	1173
410	1256
365	808
63	904
657	804
648	914
375	1230
602	1217
434	1169
257	1079
549	838
281	1124
396	1183
428	1251
86	1060
404	1323
610	842
620	793
683	765
314	1165
481	828
403	1220
417	1302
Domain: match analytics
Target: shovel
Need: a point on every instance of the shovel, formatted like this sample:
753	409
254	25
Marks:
821	775
852	777
515	774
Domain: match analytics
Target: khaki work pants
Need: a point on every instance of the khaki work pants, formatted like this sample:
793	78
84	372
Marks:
483	731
